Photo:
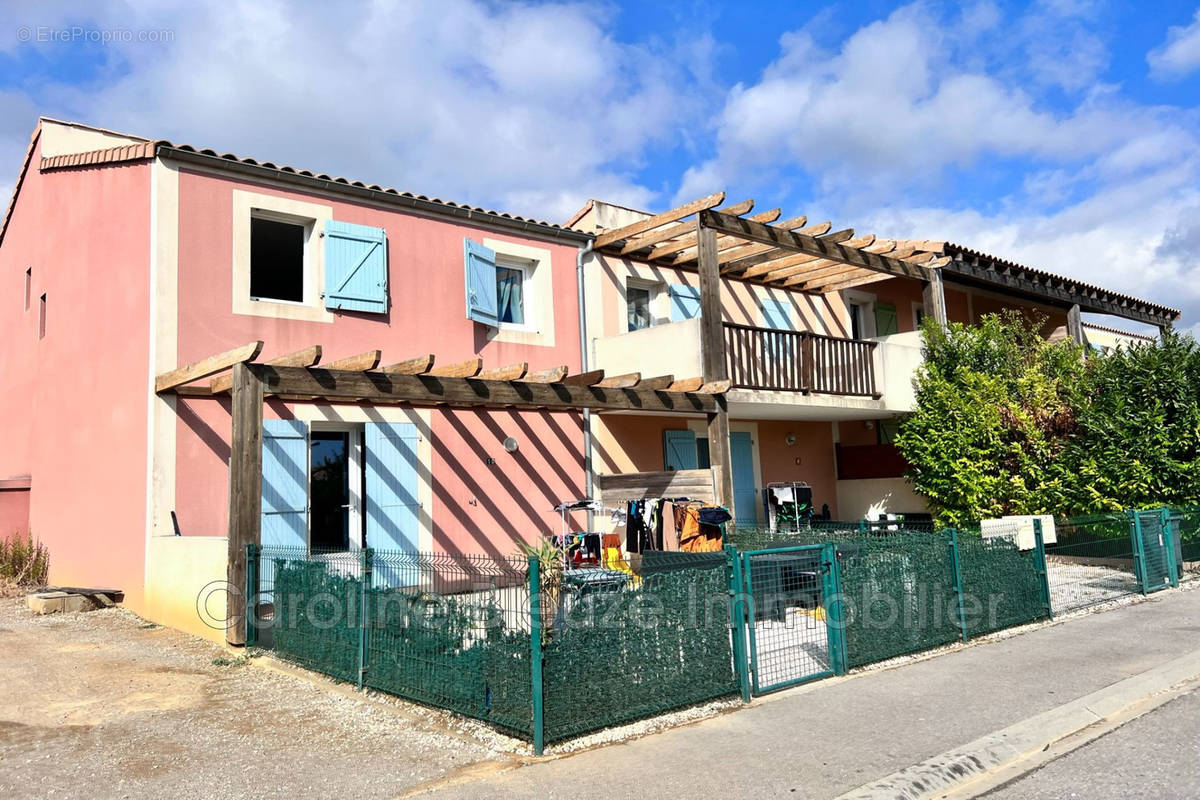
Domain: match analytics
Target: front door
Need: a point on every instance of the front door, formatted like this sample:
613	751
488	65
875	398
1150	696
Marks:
330	498
745	493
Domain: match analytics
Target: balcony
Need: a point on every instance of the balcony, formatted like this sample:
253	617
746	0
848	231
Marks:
772	360
779	374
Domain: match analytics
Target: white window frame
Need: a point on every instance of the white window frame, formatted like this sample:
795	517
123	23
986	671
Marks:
654	290
250	205
538	293
918	307
355	443
866	301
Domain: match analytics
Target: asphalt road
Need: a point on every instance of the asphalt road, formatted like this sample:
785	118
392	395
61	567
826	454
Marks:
1153	756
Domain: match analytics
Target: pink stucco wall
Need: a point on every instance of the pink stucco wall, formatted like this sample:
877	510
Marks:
74	402
477	507
14	512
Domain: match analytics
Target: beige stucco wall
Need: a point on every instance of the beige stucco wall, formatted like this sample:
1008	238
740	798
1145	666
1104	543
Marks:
185	575
866	499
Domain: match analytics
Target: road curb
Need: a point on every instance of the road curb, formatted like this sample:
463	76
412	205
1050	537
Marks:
1004	754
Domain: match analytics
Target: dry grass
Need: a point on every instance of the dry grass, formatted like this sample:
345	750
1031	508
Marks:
24	564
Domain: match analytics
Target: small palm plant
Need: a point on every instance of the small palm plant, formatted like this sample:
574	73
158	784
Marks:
550	570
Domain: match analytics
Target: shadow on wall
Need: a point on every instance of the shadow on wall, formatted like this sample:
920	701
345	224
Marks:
491	507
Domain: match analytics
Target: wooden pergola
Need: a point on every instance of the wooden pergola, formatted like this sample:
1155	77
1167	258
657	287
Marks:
763	249
417	381
728	244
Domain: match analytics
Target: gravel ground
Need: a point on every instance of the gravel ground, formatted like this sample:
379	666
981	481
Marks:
104	704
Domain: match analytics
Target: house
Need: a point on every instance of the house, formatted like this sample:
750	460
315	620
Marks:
139	269
817	329
205	353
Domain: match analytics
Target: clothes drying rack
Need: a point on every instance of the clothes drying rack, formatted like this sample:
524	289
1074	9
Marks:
772	509
570	506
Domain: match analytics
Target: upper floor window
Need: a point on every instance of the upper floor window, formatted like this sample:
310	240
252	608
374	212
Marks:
42	317
637	303
28	286
510	288
277	259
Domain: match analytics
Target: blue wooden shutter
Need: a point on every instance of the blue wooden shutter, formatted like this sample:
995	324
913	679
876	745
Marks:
285	483
393	512
482	303
685	302
679	450
355	267
777	314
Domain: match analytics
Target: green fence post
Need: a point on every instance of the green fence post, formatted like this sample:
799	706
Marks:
251	604
1139	553
368	559
956	568
1173	556
1043	570
737	621
834	606
535	654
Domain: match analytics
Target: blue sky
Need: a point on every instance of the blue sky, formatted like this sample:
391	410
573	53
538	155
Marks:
1064	134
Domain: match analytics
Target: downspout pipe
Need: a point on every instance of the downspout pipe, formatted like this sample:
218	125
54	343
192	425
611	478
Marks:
580	255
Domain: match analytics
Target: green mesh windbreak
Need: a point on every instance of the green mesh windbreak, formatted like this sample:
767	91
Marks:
1001	584
316	621
1187	524
449	631
898	594
616	653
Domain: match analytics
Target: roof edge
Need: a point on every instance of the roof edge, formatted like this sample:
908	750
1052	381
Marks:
441	208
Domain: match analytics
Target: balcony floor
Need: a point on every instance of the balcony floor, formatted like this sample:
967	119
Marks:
754	404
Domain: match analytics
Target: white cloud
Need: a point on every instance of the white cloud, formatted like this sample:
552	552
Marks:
891	109
530	108
1179	55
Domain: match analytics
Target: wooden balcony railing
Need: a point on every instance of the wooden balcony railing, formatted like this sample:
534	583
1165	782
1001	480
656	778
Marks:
799	361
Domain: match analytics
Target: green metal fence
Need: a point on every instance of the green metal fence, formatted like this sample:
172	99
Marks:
466	633
1155	549
546	655
450	631
791	616
634	649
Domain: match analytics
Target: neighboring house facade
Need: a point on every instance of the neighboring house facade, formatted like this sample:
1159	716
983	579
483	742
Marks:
850	342
126	258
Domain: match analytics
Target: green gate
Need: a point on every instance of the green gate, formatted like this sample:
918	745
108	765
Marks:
793	616
1155	553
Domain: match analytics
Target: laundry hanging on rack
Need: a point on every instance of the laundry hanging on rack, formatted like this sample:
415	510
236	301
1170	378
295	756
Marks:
701	531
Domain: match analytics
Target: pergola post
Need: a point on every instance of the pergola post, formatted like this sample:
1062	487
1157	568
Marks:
712	357
245	493
1075	325
935	297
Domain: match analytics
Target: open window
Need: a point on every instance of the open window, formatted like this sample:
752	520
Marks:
277	258
509	287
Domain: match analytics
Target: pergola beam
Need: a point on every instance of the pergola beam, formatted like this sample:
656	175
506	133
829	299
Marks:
307	357
684	249
207	367
650	223
374	386
682	229
736	226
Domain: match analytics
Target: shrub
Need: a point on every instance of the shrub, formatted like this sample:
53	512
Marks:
23	561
